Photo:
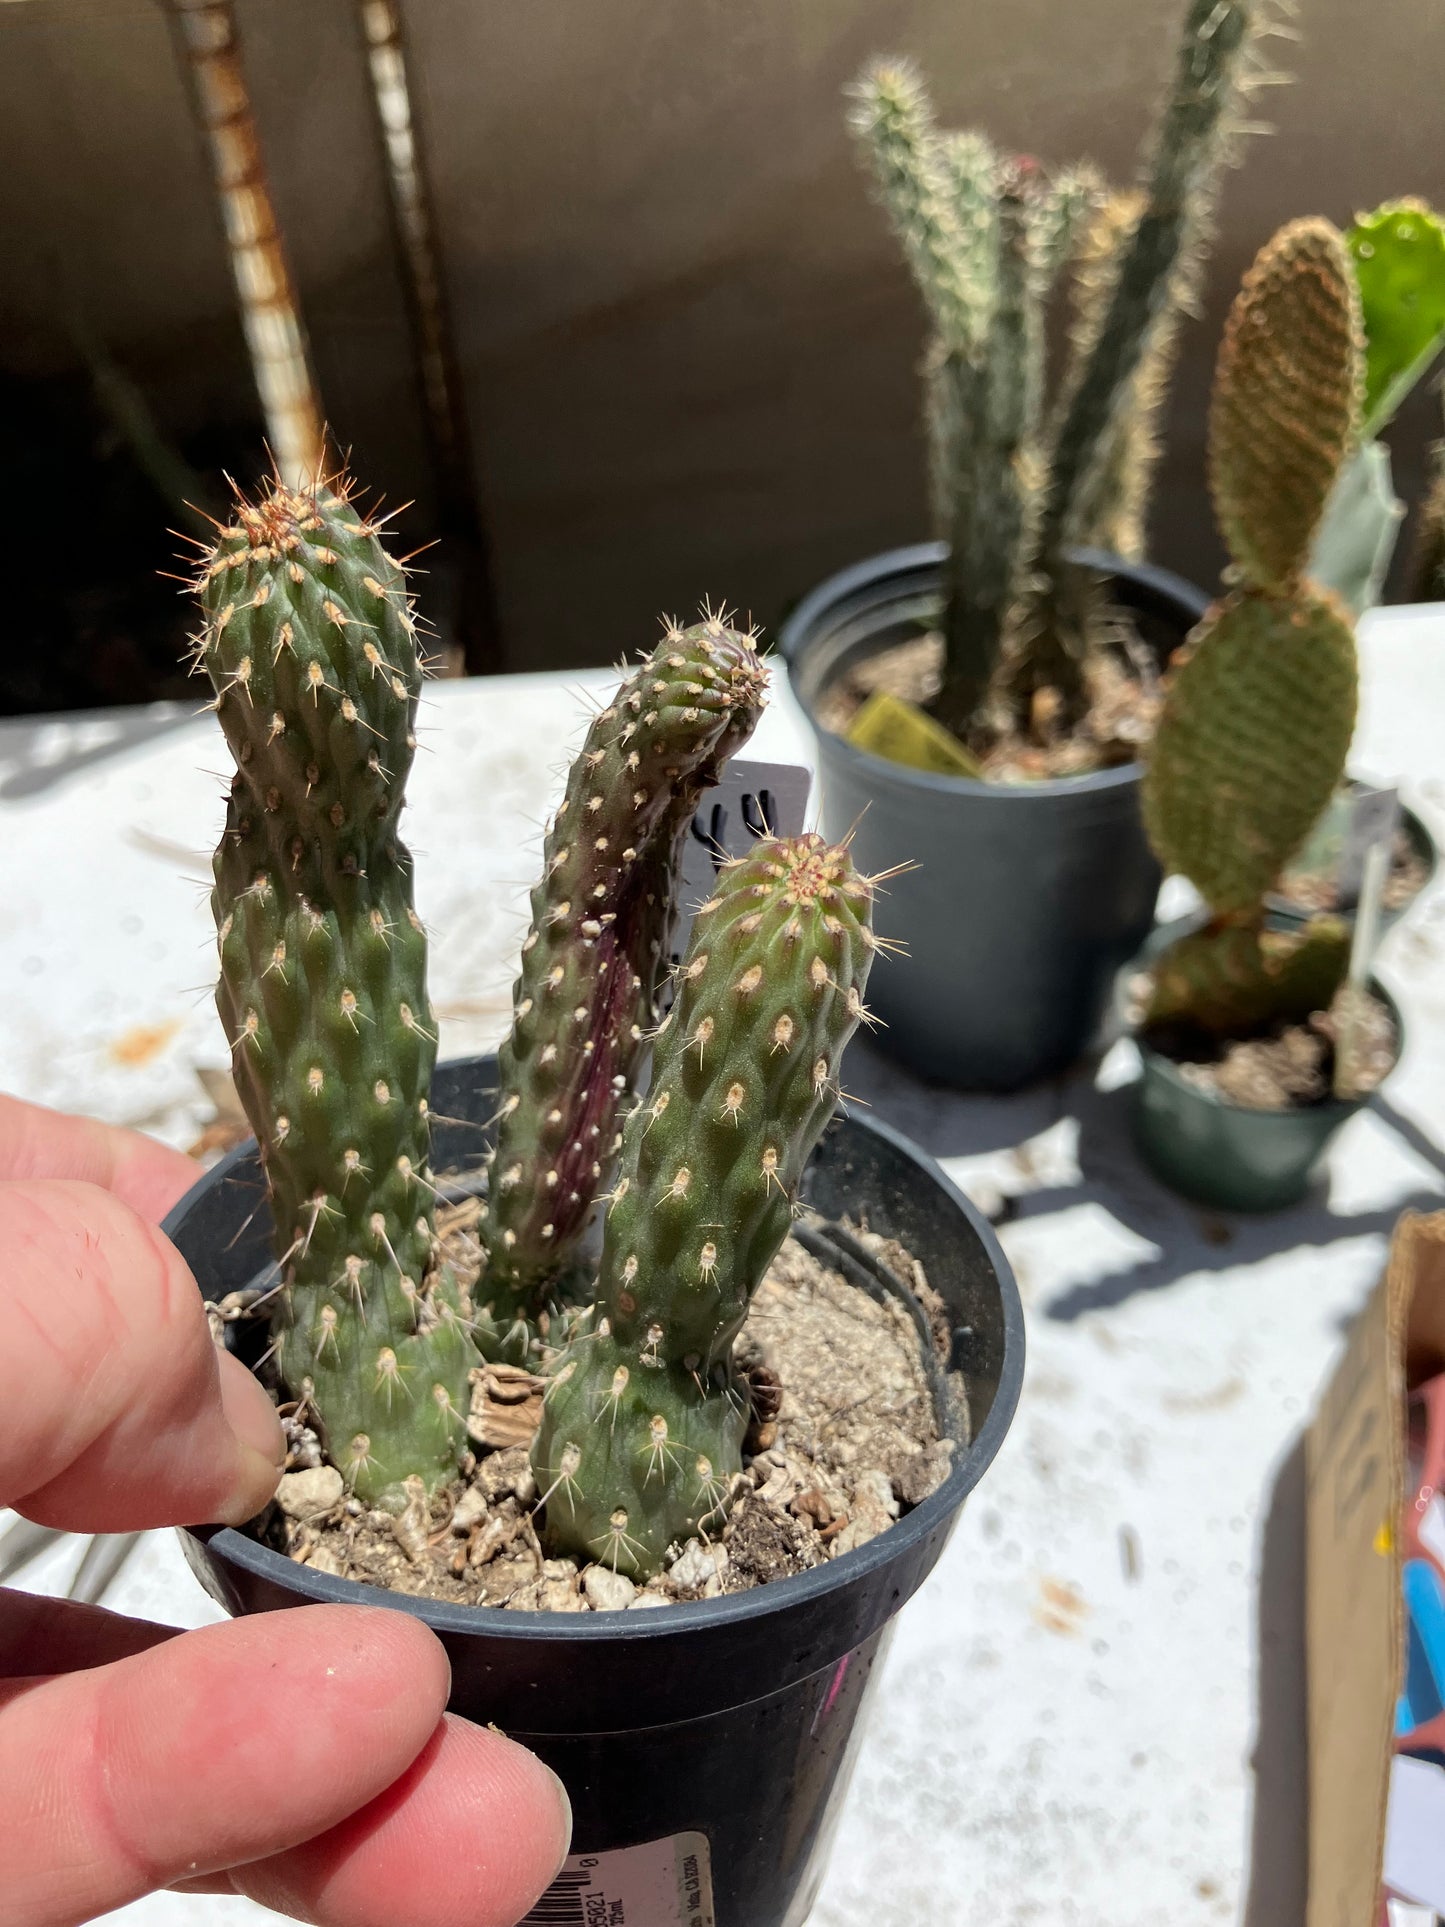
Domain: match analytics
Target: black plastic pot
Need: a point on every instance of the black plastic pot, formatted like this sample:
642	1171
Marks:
1027	897
733	1722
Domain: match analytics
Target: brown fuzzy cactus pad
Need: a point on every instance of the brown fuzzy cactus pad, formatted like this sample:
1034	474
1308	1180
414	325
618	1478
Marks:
1251	743
1287	395
1230	980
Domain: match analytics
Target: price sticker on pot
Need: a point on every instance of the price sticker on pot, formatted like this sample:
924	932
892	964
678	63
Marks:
754	799
662	1883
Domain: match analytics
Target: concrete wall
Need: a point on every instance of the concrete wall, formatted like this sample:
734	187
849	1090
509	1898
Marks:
687	343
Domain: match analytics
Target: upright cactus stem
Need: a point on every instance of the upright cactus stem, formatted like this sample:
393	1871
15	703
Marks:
584	1001
1016	478
309	643
643	1422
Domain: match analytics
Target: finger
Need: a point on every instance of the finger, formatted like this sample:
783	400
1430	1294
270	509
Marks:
40	1635
224	1745
119	1411
37	1143
470	1835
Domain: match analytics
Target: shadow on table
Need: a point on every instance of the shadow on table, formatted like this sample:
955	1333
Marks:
1186	1238
1279	1821
98	734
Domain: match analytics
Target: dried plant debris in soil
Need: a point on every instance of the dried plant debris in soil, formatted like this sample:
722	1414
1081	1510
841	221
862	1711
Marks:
1123	707
1289	1068
844	1440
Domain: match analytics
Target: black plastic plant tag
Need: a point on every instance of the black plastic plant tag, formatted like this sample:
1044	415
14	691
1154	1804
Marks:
753	800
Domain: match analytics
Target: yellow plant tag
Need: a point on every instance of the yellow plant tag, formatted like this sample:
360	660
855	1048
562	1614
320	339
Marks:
888	726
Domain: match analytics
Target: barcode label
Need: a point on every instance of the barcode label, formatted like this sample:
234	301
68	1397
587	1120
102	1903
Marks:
661	1883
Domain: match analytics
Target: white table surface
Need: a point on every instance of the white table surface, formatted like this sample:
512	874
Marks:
1093	1711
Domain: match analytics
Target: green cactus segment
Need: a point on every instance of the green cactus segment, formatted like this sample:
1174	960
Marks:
601	916
1154	269
1014	480
1286	400
1399	260
1251	743
939	195
643	1422
309	644
1232	979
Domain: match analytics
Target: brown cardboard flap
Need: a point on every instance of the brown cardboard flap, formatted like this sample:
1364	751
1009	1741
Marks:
1356	1473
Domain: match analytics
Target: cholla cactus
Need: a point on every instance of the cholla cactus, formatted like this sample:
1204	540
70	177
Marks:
643	1421
309	643
1258	717
583	1005
1015	479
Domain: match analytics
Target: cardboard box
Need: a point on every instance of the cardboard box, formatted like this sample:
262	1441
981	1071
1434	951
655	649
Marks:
1356	1470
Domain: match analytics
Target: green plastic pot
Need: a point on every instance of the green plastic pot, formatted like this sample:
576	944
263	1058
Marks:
1221	1154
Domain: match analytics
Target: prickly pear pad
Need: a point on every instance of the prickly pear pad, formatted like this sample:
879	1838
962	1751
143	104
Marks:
641	1428
309	643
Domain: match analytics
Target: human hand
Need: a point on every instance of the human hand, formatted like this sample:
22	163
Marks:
303	1759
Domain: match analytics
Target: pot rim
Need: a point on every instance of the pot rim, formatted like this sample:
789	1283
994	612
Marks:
1338	1107
922	559
677	1620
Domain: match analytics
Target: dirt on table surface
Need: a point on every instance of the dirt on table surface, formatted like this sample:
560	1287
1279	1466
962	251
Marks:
844	1440
1289	1067
1124	705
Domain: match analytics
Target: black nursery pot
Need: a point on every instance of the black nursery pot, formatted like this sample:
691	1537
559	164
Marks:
706	1748
1027	898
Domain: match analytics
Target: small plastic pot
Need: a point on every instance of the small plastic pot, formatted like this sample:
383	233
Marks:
1027	898
706	1748
1222	1154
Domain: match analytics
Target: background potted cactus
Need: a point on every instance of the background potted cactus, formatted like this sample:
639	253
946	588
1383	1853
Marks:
1398	254
1012	779
1255	1045
712	1738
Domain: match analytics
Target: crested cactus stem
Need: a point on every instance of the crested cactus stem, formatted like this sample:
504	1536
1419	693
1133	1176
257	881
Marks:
583	1005
643	1420
309	642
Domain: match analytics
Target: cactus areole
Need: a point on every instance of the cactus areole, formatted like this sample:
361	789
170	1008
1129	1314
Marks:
309	643
643	1422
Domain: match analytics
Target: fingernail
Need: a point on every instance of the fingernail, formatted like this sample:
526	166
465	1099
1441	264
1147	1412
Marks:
257	1429
565	1802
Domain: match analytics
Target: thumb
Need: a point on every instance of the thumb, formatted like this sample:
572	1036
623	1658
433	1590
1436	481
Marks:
119	1411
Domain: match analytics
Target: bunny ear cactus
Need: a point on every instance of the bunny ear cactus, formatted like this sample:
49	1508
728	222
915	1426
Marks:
1258	718
643	1422
310	645
584	1001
